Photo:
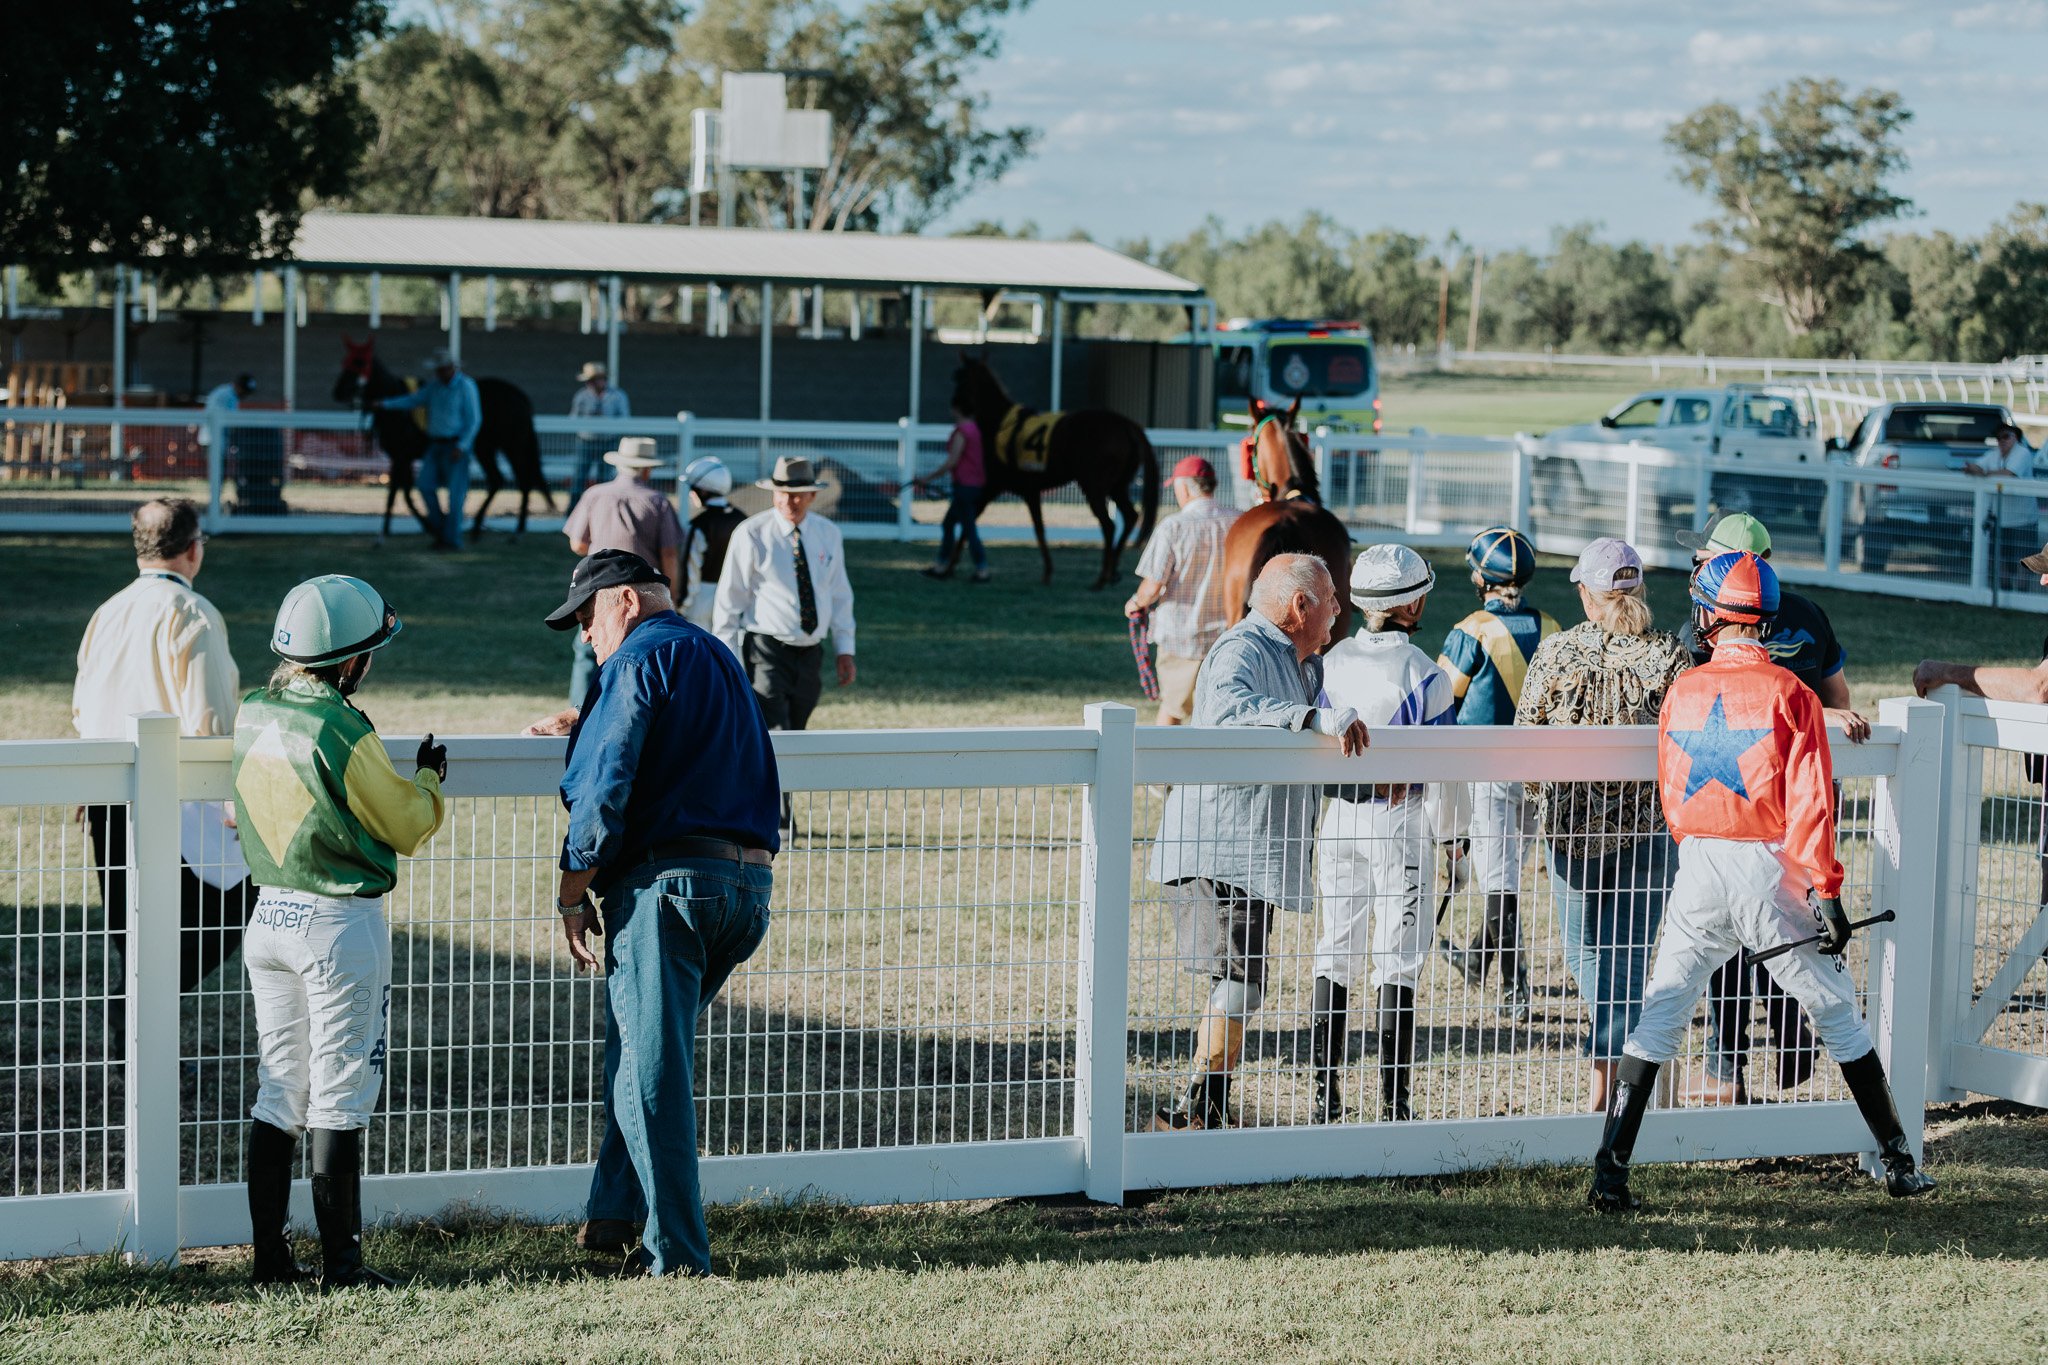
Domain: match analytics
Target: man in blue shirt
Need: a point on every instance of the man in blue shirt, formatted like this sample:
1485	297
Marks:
673	801
454	416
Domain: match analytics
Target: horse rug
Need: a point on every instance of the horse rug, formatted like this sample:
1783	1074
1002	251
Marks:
1024	437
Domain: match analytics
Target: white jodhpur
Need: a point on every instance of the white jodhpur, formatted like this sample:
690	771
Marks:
320	970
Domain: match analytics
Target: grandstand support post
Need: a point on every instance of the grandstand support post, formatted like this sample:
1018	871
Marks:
917	353
1059	319
151	965
1831	521
454	306
1902	959
906	476
1104	990
614	288
290	390
116	437
767	350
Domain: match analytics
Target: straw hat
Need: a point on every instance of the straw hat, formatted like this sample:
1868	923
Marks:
591	370
793	474
634	452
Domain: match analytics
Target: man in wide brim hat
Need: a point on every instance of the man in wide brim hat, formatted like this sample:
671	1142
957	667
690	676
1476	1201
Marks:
793	474
635	452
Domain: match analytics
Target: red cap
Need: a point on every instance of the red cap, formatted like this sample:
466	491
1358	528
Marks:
1194	467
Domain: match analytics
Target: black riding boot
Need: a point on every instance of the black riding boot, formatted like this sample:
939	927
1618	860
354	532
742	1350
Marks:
1634	1080
1902	1175
1205	1106
1328	1033
1397	1051
1514	977
1473	959
267	1169
338	1208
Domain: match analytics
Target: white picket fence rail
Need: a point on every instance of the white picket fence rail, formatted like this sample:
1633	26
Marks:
964	935
1833	524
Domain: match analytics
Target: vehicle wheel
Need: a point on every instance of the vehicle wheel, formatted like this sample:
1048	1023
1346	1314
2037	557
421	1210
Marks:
1873	551
1560	487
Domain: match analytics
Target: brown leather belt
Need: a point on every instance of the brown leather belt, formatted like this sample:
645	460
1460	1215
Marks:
698	846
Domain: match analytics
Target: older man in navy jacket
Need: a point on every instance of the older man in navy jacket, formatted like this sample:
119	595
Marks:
673	798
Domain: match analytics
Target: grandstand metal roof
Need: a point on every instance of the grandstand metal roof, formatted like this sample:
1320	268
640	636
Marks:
403	244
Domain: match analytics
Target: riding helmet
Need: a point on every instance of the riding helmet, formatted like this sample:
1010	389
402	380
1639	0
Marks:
1738	587
333	617
1502	557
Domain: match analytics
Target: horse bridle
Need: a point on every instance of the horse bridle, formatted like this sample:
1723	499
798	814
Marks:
1258	474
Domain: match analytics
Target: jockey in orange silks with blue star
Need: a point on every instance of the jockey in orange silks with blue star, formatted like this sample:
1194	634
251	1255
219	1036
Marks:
1744	771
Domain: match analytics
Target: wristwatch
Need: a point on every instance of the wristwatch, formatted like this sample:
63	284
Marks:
576	909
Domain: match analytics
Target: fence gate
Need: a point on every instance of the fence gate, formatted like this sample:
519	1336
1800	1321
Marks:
1990	973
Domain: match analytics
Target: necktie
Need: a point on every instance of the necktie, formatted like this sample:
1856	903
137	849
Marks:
806	597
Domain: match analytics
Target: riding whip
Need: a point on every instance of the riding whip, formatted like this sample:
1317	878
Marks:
1750	959
1141	651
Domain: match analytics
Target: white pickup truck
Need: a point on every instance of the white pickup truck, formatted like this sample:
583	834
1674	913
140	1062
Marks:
1771	426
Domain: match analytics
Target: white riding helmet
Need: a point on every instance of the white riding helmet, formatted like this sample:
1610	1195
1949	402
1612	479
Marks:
331	618
1388	576
709	476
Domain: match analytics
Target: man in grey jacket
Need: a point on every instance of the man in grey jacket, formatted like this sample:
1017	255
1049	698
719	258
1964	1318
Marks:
1228	854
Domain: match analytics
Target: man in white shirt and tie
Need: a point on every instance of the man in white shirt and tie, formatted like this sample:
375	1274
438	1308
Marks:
783	590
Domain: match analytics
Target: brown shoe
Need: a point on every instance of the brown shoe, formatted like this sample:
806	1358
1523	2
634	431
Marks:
611	1236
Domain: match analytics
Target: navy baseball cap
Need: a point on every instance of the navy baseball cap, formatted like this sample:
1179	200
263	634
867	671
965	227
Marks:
595	572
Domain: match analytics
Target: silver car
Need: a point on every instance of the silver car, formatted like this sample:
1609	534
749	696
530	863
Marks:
1927	437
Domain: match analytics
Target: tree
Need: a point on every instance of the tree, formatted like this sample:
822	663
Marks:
581	108
182	134
1795	185
2012	288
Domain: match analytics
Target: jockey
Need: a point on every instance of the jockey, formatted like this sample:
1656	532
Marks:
1746	778
1374	842
1486	656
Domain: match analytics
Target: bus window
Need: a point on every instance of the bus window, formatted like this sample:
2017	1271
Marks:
1234	372
1318	371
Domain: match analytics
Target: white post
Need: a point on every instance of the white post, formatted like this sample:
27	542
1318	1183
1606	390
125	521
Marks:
291	337
917	355
853	316
1631	530
1104	989
151	961
216	464
490	303
1416	474
256	298
906	472
376	299
13	290
1520	500
455	315
1059	317
767	352
1980	550
116	438
1902	958
686	305
1831	520
614	290
1955	902
686	451
1702	492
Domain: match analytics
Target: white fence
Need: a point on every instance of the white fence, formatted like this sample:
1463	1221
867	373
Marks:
1936	536
970	988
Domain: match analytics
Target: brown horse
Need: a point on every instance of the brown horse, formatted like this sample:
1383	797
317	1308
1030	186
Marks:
1290	517
1029	454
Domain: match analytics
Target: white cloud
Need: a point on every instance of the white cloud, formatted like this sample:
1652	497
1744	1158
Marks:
1549	159
1466	81
2003	14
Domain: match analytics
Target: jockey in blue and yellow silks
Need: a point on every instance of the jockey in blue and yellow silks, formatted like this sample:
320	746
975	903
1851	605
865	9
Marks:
1486	656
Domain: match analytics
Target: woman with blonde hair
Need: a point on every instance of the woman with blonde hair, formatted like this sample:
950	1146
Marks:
1610	856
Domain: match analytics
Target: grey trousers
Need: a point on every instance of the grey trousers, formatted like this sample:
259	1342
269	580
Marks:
787	679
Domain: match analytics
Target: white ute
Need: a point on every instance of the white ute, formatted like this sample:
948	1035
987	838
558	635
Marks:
1770	426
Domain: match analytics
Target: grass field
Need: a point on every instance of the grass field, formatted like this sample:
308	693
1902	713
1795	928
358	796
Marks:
1796	1260
1501	404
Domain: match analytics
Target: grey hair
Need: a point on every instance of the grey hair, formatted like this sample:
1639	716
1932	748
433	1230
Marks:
1283	577
653	596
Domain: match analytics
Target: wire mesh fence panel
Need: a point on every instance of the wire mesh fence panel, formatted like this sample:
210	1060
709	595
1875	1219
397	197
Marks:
917	984
1579	499
1398	975
1910	531
63	1090
2008	899
1794	510
1464	492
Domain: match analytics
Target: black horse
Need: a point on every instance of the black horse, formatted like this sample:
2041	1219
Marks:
507	430
1029	453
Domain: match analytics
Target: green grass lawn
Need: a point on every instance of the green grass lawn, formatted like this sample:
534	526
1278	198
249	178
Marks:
1463	404
1781	1260
475	659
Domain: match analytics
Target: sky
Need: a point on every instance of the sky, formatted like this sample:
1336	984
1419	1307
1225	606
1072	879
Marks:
1501	119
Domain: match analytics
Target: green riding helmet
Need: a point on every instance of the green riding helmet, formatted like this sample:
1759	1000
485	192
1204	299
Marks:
331	618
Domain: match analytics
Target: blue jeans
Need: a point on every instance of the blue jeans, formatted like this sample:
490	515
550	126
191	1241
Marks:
1608	910
674	932
589	462
960	513
445	463
582	671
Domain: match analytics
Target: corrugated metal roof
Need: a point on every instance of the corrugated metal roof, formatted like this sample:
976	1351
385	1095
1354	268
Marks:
516	246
